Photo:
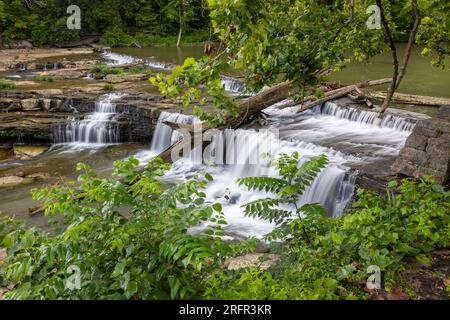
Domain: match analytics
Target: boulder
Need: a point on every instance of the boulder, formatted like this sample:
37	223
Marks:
67	73
10	181
260	260
30	104
444	113
21	44
25	152
427	149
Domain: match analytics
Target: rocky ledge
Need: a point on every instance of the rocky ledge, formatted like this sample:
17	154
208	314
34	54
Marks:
34	116
427	149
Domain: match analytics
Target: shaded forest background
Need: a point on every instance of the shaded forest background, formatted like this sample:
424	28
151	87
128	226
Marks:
117	22
120	22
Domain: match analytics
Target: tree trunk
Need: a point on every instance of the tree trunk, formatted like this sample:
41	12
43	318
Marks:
398	76
411	40
181	23
412	99
390	38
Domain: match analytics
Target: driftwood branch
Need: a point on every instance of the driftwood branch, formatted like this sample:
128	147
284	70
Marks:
337	93
411	99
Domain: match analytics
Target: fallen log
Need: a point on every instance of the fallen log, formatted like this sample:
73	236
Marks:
334	93
411	99
337	93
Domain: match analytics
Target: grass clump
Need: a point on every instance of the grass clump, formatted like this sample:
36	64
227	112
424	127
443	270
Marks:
6	84
45	78
109	87
104	69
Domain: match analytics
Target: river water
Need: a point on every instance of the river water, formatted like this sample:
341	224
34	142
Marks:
351	138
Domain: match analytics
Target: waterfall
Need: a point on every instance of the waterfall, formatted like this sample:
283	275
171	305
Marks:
97	128
117	58
232	85
349	137
365	117
164	136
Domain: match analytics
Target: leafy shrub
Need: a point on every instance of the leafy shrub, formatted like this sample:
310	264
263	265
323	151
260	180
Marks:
332	258
145	253
6	84
288	188
115	37
104	69
45	78
139	69
109	87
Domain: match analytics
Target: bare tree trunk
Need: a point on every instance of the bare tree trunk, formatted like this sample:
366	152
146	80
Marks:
181	23
390	39
398	75
411	40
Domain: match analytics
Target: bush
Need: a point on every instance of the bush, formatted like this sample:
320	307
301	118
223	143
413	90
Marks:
116	37
109	87
340	254
6	84
144	254
140	69
148	253
45	78
104	69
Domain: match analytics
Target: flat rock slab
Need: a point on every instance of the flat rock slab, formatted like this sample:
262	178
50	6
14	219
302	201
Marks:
260	260
27	152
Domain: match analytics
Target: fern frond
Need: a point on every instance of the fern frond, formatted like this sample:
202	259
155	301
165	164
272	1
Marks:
263	208
306	174
313	209
267	184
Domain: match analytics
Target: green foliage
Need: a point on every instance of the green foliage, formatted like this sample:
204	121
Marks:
334	262
119	22
109	87
45	78
104	69
250	284
140	69
288	188
116	37
185	81
6	84
127	234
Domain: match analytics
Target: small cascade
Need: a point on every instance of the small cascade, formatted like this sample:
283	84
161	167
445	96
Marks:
117	58
164	135
365	117
97	128
233	85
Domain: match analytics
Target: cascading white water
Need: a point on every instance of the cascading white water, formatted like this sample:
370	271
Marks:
97	128
164	136
350	138
365	117
233	85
